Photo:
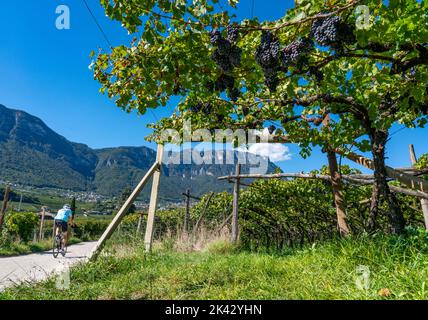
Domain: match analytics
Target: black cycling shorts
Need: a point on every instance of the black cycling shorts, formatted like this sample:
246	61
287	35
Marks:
63	224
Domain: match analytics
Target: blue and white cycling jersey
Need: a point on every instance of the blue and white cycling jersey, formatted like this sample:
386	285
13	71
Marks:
63	215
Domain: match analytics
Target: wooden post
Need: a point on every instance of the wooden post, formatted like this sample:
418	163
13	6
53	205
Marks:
4	206
148	238
53	228
204	211
406	179
187	214
122	212
336	183
42	223
235	223
424	202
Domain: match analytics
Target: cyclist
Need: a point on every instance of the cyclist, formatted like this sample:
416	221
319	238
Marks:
61	221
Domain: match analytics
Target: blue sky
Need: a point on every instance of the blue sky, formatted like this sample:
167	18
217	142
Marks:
44	71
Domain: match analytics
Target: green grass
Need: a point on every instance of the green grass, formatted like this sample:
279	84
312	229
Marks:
324	271
19	248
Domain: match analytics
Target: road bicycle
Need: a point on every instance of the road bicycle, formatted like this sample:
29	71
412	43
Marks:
59	245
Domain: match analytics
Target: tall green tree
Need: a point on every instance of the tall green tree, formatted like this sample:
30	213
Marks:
73	206
363	63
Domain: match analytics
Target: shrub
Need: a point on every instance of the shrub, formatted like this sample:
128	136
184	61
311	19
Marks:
131	219
22	224
219	207
90	229
5	238
169	221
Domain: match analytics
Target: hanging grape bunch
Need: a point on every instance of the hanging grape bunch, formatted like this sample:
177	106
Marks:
333	31
316	73
227	56
268	56
224	82
295	53
201	107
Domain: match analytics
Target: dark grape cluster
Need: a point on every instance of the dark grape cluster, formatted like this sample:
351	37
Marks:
226	55
232	33
271	78
295	52
215	37
268	56
226	83
316	73
268	52
201	107
220	117
332	31
233	94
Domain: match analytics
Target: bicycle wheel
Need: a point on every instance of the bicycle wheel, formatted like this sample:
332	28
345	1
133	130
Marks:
56	246
63	252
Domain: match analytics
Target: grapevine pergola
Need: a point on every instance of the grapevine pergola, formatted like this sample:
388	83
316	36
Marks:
336	74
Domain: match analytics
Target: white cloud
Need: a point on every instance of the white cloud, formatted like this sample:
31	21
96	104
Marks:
274	151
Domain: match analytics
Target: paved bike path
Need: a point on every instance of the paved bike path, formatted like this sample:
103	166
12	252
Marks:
39	266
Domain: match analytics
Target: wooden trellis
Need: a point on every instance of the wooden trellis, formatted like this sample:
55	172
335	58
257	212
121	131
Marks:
418	187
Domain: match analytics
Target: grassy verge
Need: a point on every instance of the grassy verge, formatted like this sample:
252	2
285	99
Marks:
398	270
15	248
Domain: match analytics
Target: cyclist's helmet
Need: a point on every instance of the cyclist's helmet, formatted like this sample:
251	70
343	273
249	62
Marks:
66	207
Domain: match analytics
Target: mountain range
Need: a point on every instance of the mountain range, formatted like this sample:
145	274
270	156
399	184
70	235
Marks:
33	154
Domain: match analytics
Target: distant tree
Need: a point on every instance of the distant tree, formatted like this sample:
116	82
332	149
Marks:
73	206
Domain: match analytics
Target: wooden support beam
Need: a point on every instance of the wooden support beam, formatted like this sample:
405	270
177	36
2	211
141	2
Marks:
235	211
122	212
187	214
413	171
225	221
424	202
406	179
354	178
198	223
148	238
276	176
190	196
337	188
395	189
409	192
